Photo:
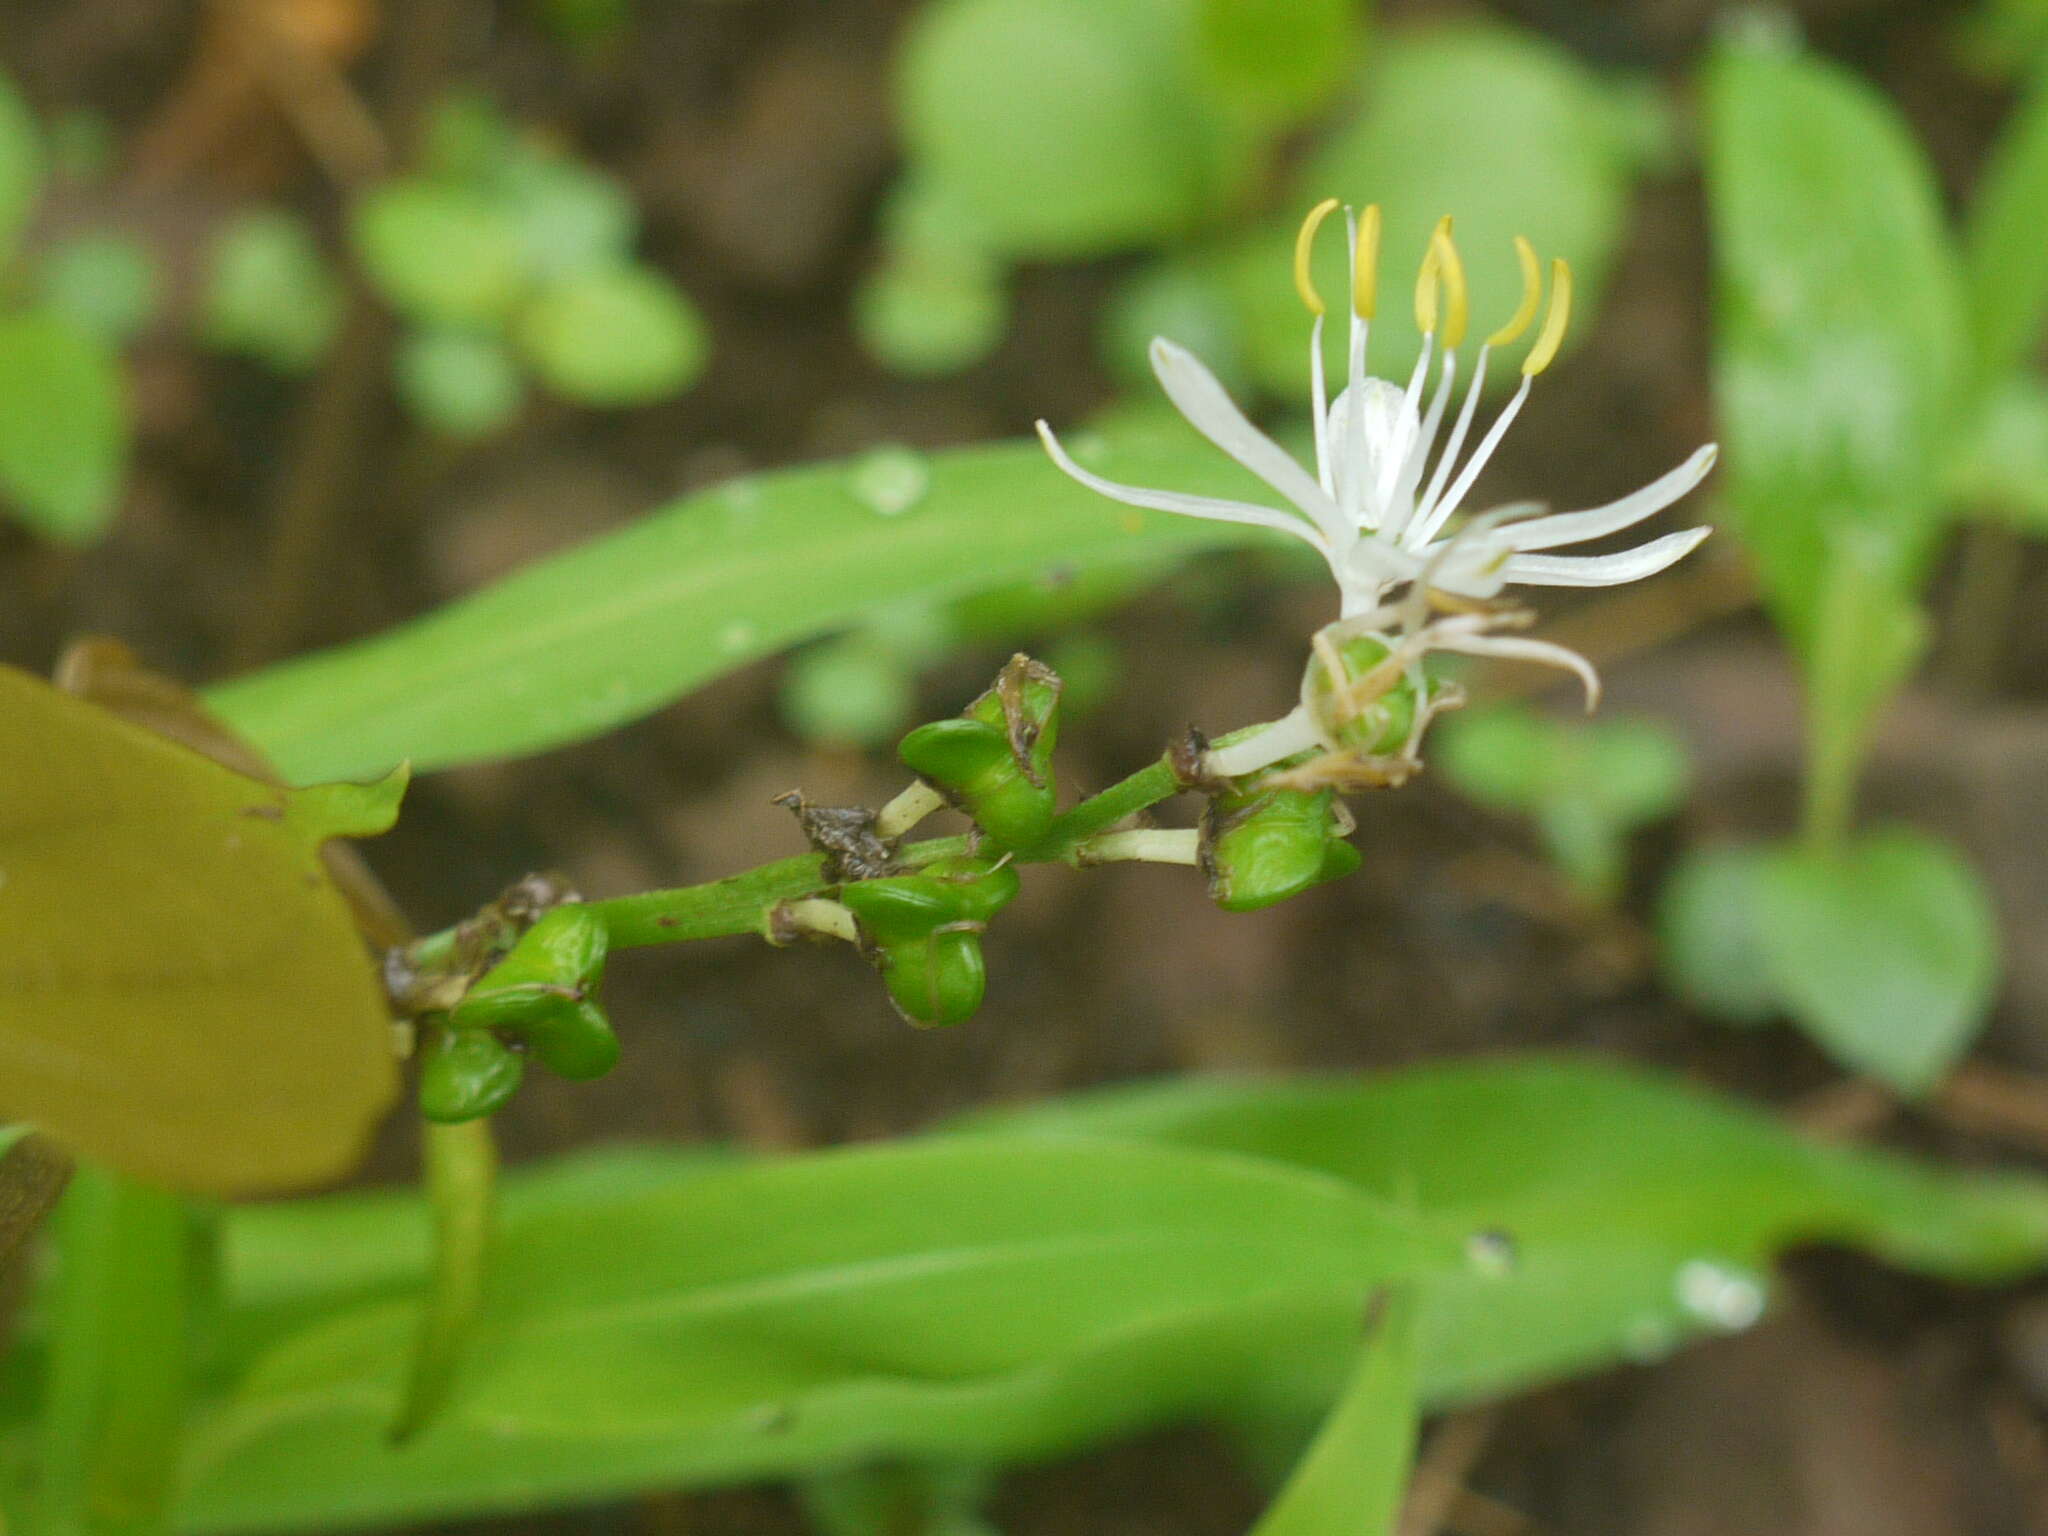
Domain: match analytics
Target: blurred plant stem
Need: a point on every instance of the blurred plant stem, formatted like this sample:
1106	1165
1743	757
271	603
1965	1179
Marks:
130	1260
327	452
462	1176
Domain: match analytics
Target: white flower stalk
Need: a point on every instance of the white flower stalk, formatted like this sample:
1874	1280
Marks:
1381	503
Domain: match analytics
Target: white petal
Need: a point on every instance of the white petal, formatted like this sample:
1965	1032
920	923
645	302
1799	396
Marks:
1577	527
1209	409
1604	570
1540	651
1211	507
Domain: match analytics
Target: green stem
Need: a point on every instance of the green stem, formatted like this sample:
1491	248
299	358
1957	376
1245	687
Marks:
462	1177
114	1393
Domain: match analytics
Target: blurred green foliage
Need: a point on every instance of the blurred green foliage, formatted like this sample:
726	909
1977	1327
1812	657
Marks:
269	292
1586	785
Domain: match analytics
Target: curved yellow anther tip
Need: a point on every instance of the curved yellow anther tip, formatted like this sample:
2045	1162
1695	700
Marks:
1551	337
1365	266
1304	247
1428	290
1532	295
1451	268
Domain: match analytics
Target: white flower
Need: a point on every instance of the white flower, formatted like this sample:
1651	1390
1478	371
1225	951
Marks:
1380	505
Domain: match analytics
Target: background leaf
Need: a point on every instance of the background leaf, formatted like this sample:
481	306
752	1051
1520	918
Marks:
64	425
269	291
1838	320
1886	951
1709	934
612	337
441	254
21	167
2005	260
1066	128
1276	60
182	993
583	642
1350	1481
953	1299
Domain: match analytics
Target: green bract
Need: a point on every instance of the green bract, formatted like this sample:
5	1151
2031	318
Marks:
466	1074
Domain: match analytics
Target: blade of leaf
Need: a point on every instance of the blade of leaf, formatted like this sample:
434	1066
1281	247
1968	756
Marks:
1838	315
64	426
182	992
1350	1482
588	640
1885	950
2005	260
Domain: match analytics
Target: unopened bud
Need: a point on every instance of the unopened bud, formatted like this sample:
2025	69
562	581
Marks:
466	1074
994	761
1266	845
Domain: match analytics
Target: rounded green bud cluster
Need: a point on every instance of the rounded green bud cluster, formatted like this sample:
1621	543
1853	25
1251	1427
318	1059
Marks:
538	1000
994	760
466	1074
923	933
1264	845
1370	726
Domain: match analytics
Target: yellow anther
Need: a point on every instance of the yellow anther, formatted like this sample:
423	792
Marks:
1304	245
1457	304
1532	296
1551	337
1429	281
1365	272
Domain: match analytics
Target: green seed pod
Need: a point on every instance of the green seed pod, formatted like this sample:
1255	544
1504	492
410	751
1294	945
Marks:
1265	846
1371	726
995	760
553	967
939	979
574	1041
466	1074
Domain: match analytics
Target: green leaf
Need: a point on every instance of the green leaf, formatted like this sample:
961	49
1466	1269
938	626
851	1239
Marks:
462	383
269	292
21	167
2005	260
923	315
950	1300
576	645
182	993
1710	934
2001	471
442	254
1351	1480
104	283
1066	128
615	337
1838	318
1508	134
64	426
1278	61
849	691
571	219
1628	1211
1886	952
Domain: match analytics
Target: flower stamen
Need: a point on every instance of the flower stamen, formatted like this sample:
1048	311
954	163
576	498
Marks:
1551	337
1304	248
1365	263
1532	295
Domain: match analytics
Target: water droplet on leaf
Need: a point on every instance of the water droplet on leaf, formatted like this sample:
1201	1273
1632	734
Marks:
1492	1252
1719	1294
890	480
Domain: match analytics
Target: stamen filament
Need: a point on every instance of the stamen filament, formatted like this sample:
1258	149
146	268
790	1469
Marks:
1424	525
1463	484
1304	247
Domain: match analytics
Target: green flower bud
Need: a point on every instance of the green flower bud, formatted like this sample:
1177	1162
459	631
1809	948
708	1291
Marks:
550	970
995	760
938	979
466	1074
1264	846
924	933
574	1041
903	908
1371	726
